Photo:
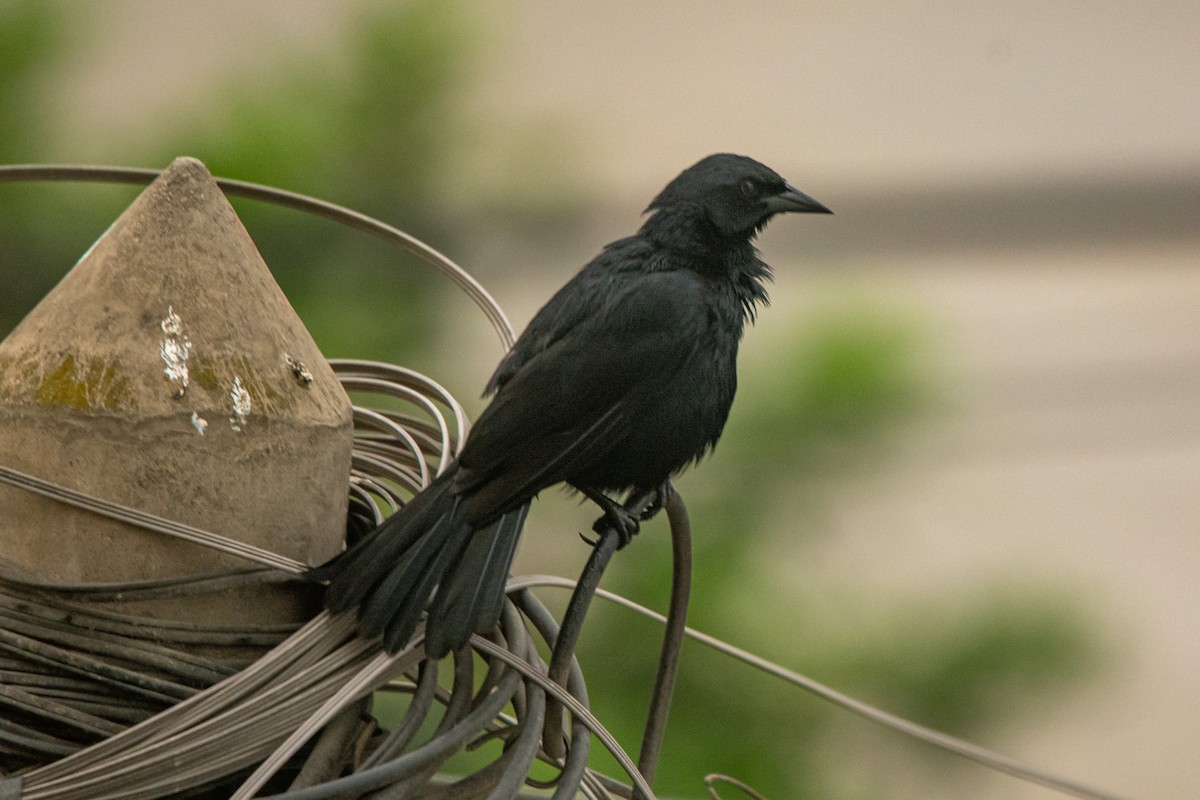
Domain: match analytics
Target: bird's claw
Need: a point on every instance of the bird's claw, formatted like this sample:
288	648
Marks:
617	518
622	521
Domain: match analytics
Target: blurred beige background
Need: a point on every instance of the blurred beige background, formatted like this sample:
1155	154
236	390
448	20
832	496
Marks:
1026	175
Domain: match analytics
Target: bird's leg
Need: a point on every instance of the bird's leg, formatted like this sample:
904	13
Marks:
651	500
616	516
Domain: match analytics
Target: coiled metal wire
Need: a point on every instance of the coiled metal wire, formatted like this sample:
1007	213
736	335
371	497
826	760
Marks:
126	713
98	703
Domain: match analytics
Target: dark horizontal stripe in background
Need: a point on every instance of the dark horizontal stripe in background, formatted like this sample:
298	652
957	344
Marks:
1104	210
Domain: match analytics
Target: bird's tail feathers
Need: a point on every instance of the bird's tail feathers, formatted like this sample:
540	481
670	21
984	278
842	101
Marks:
394	607
471	596
353	574
426	557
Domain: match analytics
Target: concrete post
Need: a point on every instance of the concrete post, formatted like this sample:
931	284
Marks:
167	371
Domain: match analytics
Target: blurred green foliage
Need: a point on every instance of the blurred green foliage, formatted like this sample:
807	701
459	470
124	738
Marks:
373	128
370	127
33	40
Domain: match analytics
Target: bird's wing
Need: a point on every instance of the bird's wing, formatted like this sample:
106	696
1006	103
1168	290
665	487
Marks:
568	404
577	300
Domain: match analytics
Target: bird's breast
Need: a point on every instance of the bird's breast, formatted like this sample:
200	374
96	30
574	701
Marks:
682	417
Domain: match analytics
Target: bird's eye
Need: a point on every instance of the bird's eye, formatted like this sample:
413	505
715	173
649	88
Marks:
749	187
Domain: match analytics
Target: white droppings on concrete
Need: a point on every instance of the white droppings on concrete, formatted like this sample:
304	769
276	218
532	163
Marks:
199	423
241	403
298	369
174	350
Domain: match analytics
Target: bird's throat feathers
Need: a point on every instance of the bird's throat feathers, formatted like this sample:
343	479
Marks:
749	280
692	242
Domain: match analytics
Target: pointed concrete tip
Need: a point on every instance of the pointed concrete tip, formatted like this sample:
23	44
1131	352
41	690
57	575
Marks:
188	167
164	313
190	163
167	371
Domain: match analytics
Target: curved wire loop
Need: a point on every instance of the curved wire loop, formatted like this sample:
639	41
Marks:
135	714
281	197
131	713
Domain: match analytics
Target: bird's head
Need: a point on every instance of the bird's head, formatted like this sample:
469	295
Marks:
736	194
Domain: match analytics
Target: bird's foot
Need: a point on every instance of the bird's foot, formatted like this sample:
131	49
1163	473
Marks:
616	517
620	519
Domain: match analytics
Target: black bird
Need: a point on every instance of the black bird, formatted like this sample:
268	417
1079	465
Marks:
622	379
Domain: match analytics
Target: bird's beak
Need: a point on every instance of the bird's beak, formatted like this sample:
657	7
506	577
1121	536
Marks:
793	200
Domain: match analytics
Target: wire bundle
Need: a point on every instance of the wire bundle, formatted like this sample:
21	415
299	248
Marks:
129	714
98	703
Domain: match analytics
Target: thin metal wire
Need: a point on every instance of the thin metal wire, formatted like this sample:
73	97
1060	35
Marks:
574	765
290	693
125	764
942	741
363	486
262	714
353	383
355	375
402	376
280	197
713	778
377	671
230	724
951	744
580	711
573	618
144	519
368	418
672	647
